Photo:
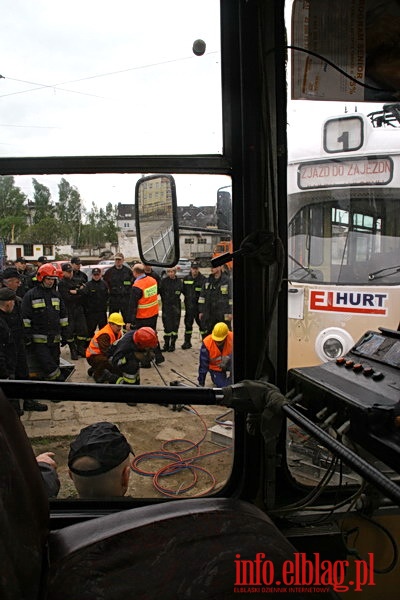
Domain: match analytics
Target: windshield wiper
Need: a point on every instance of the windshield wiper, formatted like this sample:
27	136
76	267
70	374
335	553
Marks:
372	276
307	269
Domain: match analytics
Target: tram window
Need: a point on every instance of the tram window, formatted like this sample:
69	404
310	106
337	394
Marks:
110	78
149	428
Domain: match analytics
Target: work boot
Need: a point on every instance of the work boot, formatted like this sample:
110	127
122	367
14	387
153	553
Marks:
186	344
81	348
172	344
74	351
167	340
107	377
34	405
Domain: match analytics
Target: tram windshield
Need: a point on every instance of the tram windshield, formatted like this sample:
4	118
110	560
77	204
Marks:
345	236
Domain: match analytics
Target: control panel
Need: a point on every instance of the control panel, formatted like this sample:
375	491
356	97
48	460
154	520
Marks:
358	394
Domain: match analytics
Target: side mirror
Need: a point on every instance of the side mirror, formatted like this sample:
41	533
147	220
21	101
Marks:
156	217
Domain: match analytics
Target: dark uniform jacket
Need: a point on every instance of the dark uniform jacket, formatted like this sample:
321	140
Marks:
215	301
191	290
44	314
96	295
79	278
119	281
71	300
170	291
8	351
125	347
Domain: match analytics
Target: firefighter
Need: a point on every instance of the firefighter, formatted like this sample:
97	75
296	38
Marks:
72	292
119	279
97	353
192	285
170	292
143	306
45	322
216	356
80	278
96	296
32	279
129	352
148	269
11	280
215	301
21	266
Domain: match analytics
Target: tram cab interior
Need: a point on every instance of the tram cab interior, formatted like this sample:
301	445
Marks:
315	463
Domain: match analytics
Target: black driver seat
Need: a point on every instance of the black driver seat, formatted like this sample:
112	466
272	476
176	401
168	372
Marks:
173	550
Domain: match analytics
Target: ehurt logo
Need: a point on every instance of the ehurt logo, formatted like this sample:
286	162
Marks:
361	303
300	574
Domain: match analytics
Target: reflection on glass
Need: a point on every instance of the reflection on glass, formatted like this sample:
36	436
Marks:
156	226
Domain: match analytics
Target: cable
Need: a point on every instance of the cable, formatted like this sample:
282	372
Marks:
341	71
385	531
176	464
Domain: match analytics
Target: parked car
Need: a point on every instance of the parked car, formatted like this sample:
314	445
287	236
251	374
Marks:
183	267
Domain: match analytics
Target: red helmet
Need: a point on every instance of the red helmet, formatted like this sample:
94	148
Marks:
46	270
145	337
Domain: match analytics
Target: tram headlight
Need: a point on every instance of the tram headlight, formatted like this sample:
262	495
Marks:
332	348
333	342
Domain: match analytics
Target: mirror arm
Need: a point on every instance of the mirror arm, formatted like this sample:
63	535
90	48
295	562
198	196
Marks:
260	245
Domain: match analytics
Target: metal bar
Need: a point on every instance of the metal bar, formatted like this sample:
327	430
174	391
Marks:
358	464
90	392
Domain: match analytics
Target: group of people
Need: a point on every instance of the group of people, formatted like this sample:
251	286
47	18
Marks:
45	310
115	358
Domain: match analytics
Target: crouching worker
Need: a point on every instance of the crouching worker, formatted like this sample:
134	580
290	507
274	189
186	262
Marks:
99	461
127	355
97	353
216	356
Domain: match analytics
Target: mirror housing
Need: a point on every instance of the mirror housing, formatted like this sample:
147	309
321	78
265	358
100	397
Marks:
156	217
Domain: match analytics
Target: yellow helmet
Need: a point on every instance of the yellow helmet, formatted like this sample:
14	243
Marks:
116	319
219	332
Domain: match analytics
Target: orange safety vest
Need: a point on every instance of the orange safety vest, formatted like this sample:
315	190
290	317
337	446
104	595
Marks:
215	353
148	303
93	347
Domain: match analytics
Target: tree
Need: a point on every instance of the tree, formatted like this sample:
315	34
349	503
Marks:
12	228
70	210
47	231
12	199
44	208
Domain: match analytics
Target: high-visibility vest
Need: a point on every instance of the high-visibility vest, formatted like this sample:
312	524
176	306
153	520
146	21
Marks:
215	353
93	347
148	303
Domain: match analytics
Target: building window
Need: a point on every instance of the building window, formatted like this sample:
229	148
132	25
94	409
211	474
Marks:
202	241
189	241
28	249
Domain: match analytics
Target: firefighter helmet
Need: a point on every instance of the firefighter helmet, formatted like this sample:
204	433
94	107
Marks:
116	319
145	337
219	332
46	270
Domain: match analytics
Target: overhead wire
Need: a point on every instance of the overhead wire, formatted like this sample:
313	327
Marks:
90	77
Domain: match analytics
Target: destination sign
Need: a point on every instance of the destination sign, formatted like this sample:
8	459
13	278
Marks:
333	173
